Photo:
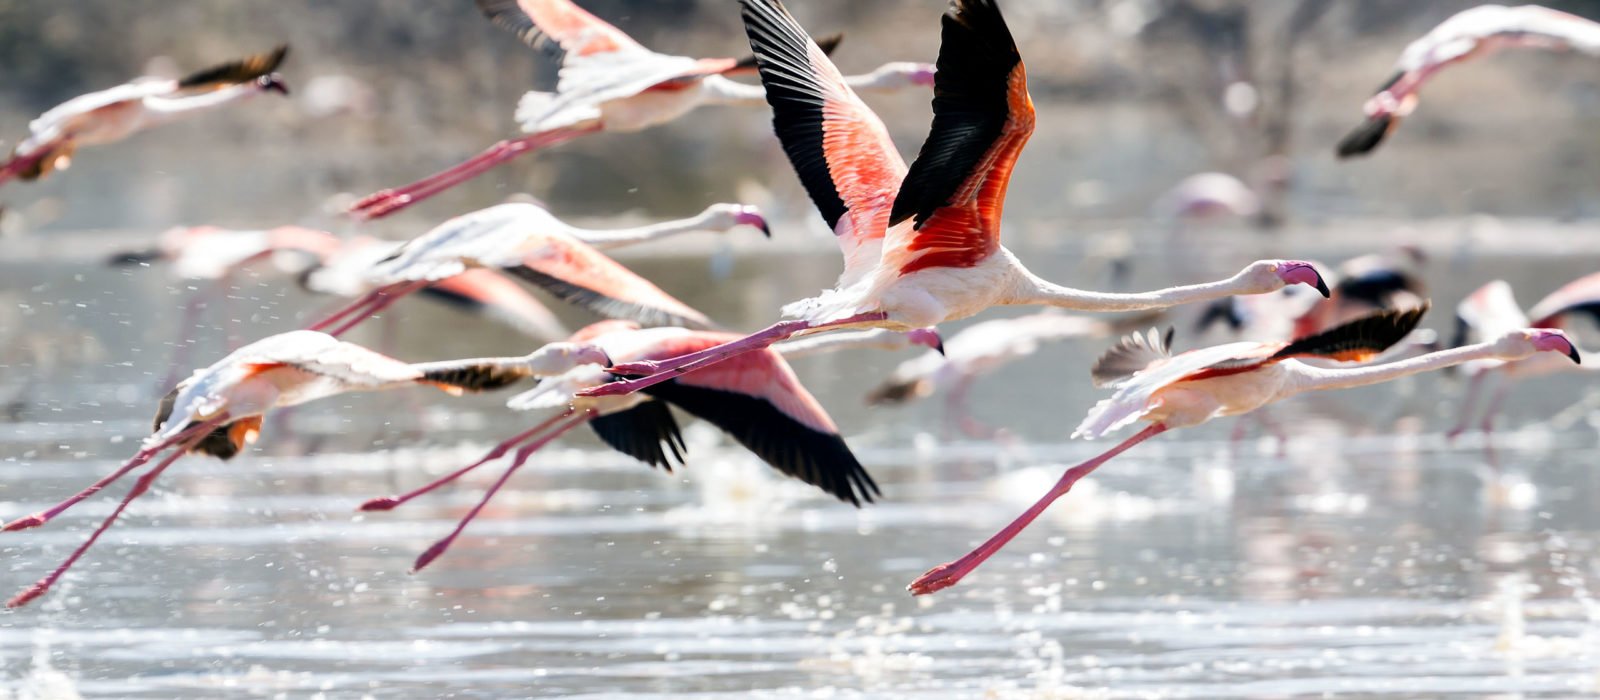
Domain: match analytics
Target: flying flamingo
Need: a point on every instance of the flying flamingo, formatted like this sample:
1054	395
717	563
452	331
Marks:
1166	391
1365	284
608	82
528	242
1493	308
755	398
981	349
218	410
114	114
1479	31
479	291
921	246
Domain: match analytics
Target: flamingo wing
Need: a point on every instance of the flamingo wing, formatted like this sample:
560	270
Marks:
1133	392
578	274
1358	340
558	25
836	144
1487	313
235	72
647	432
1576	297
757	399
982	118
490	293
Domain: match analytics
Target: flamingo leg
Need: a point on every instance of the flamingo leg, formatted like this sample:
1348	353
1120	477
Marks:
947	575
139	459
192	309
139	488
1489	412
365	301
386	298
656	372
522	456
385	202
500	450
1474	387
956	404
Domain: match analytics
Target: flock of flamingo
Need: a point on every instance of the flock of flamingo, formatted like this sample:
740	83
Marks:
921	247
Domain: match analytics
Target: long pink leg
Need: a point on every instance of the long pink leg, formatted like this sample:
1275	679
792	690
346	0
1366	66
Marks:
139	488
387	297
657	372
956	404
139	458
500	450
362	303
1489	412
192	309
1474	386
947	575
385	202
523	453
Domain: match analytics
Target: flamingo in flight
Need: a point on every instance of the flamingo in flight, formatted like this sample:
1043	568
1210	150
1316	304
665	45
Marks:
921	245
529	243
607	82
1472	33
116	113
1492	309
981	349
756	399
1166	391
219	409
478	291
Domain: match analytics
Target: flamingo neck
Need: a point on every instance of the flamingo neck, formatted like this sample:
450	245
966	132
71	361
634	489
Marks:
1311	378
1032	290
874	338
885	78
617	238
167	108
720	90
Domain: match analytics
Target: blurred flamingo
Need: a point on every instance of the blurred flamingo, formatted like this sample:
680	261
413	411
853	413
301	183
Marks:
219	409
1166	391
921	245
756	399
608	82
529	243
1491	310
114	114
1472	33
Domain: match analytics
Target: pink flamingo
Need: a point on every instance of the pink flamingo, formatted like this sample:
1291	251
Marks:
1492	309
921	246
981	349
1166	391
479	291
756	399
528	242
114	114
608	82
218	410
1476	32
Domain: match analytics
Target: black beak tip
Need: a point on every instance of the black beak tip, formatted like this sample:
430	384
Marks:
1365	138
273	83
939	348
1322	288
1576	358
766	230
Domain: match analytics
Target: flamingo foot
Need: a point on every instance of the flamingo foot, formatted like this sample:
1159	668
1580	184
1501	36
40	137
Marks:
939	578
642	368
432	553
27	596
31	521
384	503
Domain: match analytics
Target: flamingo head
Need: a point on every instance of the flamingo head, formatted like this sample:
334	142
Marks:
916	74
722	217
928	338
272	82
557	358
1282	273
1525	342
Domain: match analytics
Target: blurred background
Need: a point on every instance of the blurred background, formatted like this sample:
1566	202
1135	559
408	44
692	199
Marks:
1372	558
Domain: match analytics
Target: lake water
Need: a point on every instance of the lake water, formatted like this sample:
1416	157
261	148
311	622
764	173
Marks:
1373	559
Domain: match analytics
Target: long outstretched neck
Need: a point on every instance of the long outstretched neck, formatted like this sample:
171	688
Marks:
875	338
1030	289
616	238
1321	378
168	108
722	91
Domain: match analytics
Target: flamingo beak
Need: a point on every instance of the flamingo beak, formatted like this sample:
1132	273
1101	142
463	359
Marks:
928	338
752	217
1304	273
1556	341
273	83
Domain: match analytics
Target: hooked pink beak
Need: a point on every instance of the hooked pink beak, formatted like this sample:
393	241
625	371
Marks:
1546	340
922	75
1298	272
928	338
750	216
273	83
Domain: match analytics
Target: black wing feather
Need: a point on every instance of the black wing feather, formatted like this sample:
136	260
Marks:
236	72
609	307
971	105
216	443
817	458
645	432
1373	334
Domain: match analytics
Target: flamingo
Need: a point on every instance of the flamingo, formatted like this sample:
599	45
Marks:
528	242
219	409
981	349
921	245
478	291
1472	33
608	83
756	399
1365	284
1167	391
116	113
1492	309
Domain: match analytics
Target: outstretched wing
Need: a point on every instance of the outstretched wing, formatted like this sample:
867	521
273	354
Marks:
645	432
1487	313
1358	340
1581	296
1133	354
982	117
838	146
235	72
558	26
578	274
